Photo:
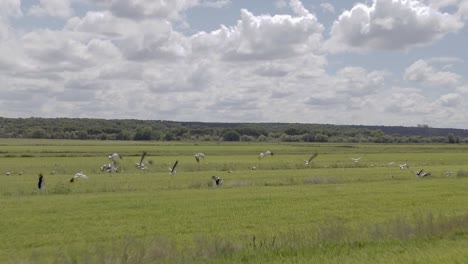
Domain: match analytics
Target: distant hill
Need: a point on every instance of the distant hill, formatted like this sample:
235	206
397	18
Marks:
131	129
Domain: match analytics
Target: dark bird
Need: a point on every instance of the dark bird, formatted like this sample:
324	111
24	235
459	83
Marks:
140	165
217	180
307	162
173	170
78	174
421	174
41	182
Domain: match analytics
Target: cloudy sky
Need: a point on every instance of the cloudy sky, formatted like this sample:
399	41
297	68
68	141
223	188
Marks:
381	62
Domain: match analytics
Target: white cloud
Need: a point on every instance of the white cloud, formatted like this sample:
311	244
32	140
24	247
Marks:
450	100
281	4
391	24
327	7
54	8
421	71
10	8
264	37
143	9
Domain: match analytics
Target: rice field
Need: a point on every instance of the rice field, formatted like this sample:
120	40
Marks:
335	210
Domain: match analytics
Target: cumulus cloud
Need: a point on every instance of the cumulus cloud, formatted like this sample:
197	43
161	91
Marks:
450	100
390	24
421	71
54	8
265	36
327	7
10	8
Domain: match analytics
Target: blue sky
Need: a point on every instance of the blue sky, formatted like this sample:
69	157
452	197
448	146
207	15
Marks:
380	62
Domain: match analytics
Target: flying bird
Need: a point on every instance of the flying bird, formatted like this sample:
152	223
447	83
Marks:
41	182
403	166
140	164
307	162
198	156
173	170
217	180
356	159
114	156
421	174
78	174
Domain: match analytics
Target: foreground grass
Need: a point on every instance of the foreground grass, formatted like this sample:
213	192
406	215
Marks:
335	211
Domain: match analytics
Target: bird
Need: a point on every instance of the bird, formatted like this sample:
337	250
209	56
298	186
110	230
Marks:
173	170
140	164
307	162
41	182
268	153
7	173
217	180
261	155
403	166
356	159
421	174
449	173
253	168
78	174
198	156
114	156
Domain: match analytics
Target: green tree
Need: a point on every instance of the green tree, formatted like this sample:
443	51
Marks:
231	135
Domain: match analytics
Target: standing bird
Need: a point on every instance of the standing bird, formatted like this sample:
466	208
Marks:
198	156
78	174
217	180
114	156
41	182
307	162
403	166
173	170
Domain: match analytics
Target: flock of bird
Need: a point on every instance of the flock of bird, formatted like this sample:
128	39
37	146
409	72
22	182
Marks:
143	165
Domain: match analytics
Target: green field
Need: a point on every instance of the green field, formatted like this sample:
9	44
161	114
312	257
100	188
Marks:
333	211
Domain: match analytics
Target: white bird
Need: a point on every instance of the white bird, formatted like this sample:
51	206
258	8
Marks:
217	180
307	162
356	159
7	173
253	168
268	153
198	156
449	173
403	166
41	182
109	167
114	156
78	174
261	155
173	169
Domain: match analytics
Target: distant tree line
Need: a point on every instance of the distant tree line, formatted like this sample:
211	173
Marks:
130	129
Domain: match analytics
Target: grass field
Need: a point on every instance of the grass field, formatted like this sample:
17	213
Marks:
333	211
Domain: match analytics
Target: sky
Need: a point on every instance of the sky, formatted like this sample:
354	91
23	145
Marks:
380	62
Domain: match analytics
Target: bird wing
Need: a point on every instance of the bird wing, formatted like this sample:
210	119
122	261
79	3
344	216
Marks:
312	157
175	164
142	157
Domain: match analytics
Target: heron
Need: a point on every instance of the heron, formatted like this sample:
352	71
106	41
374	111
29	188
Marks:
356	159
140	164
307	162
114	156
403	166
217	180
80	175
173	169
198	156
421	174
41	182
